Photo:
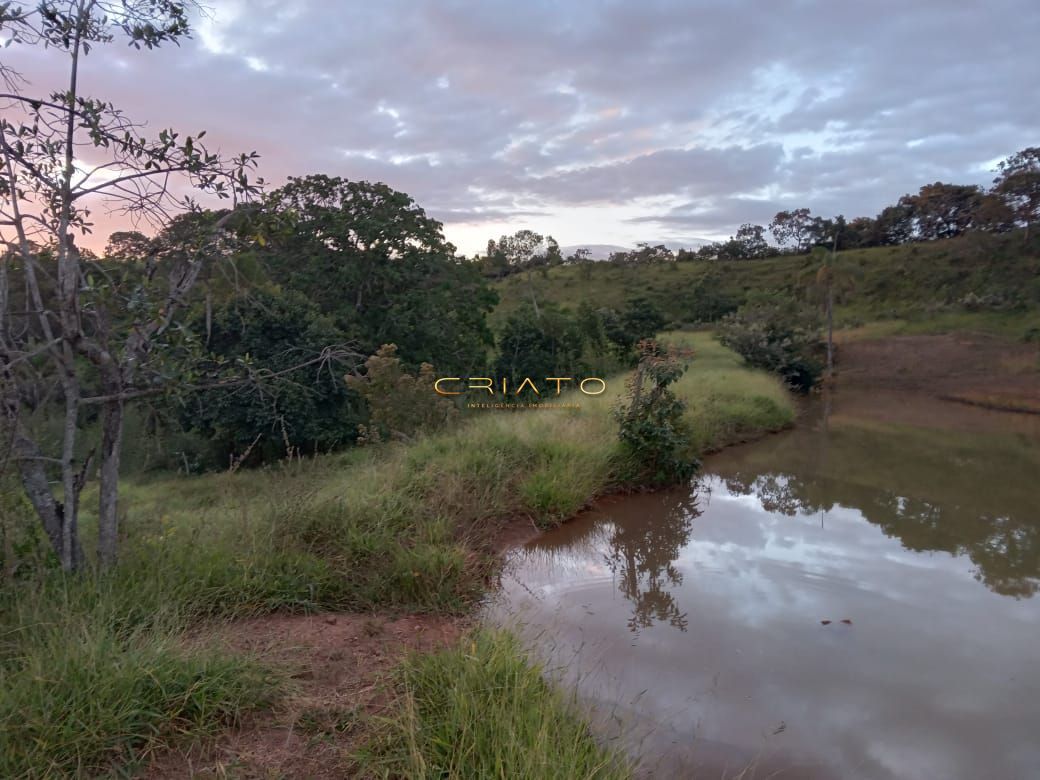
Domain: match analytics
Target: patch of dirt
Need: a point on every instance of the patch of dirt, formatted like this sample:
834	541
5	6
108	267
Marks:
338	663
971	368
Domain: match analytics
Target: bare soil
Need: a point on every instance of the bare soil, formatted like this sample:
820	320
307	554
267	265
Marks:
977	369
338	664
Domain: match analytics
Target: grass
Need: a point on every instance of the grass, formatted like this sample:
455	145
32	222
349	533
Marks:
83	699
485	710
392	528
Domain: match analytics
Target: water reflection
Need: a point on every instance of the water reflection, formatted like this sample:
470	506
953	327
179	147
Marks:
700	610
963	493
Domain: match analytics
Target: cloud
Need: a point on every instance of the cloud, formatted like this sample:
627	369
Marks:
611	119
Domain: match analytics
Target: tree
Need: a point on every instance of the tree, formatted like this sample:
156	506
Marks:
640	320
654	433
748	244
792	227
372	260
894	225
646	254
127	245
1019	185
538	344
943	210
86	324
280	335
520	248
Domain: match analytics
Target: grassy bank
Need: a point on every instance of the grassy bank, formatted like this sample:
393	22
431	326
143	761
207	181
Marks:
398	527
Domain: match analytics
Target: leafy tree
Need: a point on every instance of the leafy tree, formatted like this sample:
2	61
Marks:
707	301
128	245
894	225
370	258
646	254
639	320
305	407
520	248
792	227
655	436
579	256
99	341
749	243
943	210
1019	185
543	344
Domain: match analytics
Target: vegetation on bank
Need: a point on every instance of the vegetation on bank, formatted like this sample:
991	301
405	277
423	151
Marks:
401	526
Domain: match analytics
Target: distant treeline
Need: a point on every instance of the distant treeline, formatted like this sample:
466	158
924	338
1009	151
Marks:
937	211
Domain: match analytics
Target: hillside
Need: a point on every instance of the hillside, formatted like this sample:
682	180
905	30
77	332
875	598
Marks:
984	282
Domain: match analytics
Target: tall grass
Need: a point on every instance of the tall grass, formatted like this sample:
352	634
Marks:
82	698
397	527
485	710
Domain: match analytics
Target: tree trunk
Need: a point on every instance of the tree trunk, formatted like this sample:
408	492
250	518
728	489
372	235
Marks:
71	553
37	487
108	500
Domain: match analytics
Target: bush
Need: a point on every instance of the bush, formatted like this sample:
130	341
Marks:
779	335
656	438
400	405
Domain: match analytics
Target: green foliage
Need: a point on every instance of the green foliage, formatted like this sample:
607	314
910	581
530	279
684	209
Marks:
400	405
779	335
550	342
639	320
306	409
652	427
708	300
481	710
370	258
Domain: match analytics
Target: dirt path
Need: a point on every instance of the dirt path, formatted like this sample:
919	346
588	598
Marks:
970	368
338	663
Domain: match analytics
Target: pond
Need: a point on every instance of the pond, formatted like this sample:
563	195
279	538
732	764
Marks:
853	598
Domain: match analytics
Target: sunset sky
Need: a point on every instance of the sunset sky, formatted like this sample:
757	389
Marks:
597	122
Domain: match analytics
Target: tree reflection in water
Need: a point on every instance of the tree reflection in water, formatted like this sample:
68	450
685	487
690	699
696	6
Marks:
642	556
972	505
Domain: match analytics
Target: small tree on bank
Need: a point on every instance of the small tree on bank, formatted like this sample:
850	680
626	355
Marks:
97	338
653	431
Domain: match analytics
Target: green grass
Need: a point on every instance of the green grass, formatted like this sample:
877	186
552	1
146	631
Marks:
392	528
925	284
485	710
81	698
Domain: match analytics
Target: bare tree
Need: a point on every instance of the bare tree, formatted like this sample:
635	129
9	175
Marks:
64	322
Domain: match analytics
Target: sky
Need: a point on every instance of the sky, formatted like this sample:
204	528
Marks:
597	122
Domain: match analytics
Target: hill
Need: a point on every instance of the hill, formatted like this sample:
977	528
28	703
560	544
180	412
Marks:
979	281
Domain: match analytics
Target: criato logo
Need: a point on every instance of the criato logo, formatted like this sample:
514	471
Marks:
450	385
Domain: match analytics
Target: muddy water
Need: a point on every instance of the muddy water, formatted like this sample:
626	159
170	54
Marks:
692	621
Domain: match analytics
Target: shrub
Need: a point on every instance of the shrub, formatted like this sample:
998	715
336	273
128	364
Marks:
656	438
779	335
399	404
